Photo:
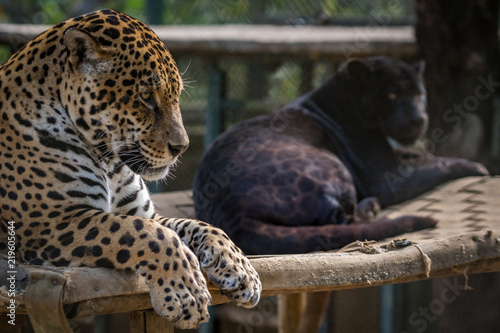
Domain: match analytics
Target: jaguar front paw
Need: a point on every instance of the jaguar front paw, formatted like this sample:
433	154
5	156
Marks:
228	268
178	289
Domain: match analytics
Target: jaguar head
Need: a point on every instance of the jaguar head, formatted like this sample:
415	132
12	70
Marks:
122	92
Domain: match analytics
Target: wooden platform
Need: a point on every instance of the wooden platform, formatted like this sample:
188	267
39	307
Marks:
467	241
464	206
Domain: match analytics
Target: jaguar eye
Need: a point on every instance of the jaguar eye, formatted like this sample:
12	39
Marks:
147	98
392	96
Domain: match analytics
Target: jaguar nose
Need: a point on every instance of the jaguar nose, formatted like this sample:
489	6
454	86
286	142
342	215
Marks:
177	149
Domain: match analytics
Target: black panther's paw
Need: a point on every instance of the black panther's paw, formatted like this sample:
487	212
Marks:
367	209
463	168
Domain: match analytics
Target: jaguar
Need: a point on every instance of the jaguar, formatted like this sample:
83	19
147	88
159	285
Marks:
313	175
89	111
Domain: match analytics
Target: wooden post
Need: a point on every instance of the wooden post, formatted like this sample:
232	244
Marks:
216	92
314	312
149	322
290	309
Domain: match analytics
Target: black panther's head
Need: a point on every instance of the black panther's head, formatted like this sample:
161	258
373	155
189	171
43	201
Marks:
393	96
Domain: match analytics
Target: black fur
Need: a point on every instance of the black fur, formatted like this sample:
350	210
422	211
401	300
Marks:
291	182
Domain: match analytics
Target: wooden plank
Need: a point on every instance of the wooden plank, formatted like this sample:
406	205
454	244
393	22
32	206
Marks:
335	271
473	253
174	204
90	291
250	40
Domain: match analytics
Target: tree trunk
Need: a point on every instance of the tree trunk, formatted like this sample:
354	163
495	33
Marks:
459	42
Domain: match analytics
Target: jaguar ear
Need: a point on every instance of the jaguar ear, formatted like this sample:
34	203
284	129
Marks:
359	69
84	51
419	67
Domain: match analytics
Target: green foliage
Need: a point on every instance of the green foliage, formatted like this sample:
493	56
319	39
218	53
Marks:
5	53
284	83
134	8
210	11
205	11
54	10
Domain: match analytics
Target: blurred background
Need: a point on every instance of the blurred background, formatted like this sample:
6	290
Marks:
243	85
457	39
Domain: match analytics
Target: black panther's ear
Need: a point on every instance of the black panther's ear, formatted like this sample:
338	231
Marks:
359	69
83	49
419	67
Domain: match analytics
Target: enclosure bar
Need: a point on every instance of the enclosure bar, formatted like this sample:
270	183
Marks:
312	42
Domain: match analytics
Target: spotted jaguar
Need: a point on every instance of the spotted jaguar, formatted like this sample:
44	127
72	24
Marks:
89	109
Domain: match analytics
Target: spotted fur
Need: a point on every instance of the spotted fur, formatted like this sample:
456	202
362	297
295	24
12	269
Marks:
89	109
